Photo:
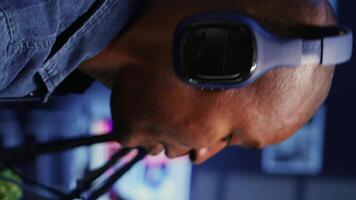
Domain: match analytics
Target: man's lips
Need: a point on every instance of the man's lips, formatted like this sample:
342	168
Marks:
156	150
169	153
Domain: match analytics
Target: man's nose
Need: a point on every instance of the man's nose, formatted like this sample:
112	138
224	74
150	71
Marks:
199	156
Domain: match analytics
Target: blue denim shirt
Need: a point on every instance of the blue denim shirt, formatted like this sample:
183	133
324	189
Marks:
43	41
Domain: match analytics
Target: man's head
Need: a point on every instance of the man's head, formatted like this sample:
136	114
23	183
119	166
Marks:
154	109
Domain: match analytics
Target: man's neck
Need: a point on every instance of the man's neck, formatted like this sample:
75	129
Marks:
105	65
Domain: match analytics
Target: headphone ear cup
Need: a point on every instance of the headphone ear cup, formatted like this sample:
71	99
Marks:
214	50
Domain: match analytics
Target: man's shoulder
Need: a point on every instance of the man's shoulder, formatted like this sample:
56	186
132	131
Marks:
28	31
37	19
49	39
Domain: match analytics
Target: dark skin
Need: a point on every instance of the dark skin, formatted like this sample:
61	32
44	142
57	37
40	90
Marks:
154	109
